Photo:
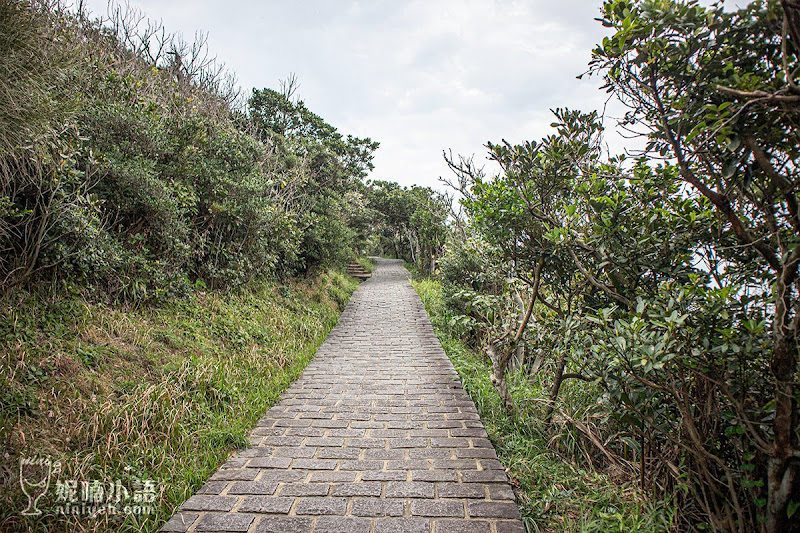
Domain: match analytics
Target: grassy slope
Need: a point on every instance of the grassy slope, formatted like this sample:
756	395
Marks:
366	263
553	494
162	393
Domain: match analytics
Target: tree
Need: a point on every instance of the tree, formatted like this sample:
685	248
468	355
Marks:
331	163
411	222
624	289
716	92
571	230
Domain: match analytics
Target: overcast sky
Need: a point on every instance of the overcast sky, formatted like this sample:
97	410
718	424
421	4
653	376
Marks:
419	76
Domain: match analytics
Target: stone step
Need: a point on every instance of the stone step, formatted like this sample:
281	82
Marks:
357	271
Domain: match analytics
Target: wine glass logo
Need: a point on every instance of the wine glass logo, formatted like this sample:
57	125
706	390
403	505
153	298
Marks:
34	478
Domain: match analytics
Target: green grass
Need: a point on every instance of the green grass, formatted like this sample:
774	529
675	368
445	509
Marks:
366	263
554	495
161	393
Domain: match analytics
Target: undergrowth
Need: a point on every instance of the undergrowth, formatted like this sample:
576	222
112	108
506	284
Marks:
367	263
554	494
153	393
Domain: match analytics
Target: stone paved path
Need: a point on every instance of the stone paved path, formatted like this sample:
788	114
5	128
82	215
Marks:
376	436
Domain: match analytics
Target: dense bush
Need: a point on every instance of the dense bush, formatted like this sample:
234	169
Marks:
408	223
127	163
332	198
665	289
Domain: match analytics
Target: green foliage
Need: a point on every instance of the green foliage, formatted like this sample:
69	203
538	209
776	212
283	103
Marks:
408	223
134	173
331	204
32	67
163	392
296	131
552	494
367	263
662	289
717	93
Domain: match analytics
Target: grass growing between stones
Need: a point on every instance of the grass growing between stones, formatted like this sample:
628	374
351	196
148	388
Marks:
554	494
160	393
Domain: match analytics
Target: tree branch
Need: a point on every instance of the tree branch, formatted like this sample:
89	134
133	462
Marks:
786	187
761	96
721	202
597	283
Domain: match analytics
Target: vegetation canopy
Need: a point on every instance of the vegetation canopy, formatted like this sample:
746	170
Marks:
657	295
635	316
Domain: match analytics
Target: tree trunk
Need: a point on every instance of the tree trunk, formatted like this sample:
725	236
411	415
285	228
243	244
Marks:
500	361
519	352
500	384
518	360
559	378
784	465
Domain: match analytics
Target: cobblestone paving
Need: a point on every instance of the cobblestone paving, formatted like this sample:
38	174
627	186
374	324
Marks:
377	436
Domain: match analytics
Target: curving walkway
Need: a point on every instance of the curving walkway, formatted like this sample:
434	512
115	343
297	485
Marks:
376	436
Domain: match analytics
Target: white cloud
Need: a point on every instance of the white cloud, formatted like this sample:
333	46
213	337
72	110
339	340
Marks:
419	76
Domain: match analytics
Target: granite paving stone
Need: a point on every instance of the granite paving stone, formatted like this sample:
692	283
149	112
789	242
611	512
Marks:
376	436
